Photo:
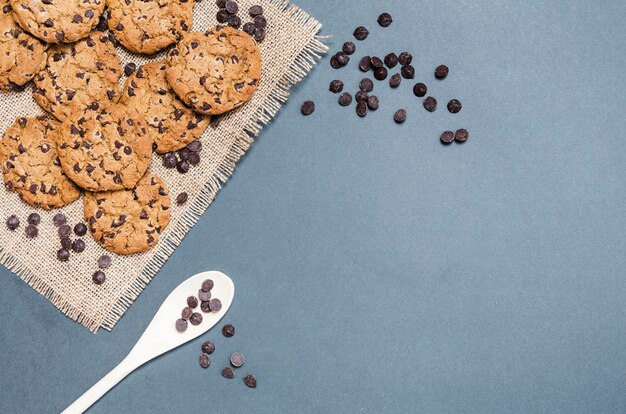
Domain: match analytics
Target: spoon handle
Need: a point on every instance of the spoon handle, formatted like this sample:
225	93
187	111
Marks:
109	381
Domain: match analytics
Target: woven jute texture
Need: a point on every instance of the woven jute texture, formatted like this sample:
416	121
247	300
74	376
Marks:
289	51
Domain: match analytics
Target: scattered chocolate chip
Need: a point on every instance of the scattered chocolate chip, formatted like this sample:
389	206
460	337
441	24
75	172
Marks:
194	158
342	58
104	261
182	167
204	296
365	63
231	7
400	116
395	79
192	302
34	219
181	325
181	198
66	243
336	86
308	107
215	305
372	103
129	68
80	229
170	160
64	230
380	74
228	330
461	135
361	96
186	313
345	99
207	285
385	20
250	381
249	28
78	246
447	137
420	89
430	104
205	307
348	48
228	373
361	108
361	33
59	219
408	72
366	85
405	58
205	360
441	72
255	10
391	60
195	146
31	231
208	347
195	319
237	359
376	62
454	106
334	63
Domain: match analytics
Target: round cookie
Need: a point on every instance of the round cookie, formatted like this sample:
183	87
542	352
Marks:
79	77
107	151
171	124
21	55
31	166
129	221
149	26
57	21
216	71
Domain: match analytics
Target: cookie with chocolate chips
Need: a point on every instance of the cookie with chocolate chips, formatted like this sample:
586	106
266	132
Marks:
170	123
129	221
21	54
79	77
216	71
149	26
31	166
110	150
58	21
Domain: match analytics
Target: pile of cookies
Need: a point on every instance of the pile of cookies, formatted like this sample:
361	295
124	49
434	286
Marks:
97	138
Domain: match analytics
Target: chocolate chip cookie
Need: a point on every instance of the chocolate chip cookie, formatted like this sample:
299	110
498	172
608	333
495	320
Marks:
216	71
110	150
171	124
31	166
149	26
79	77
57	21
129	221
21	55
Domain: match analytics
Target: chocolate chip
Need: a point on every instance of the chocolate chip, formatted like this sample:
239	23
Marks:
336	86
365	63
181	325
34	219
447	137
183	154
207	285
31	231
394	81
361	33
231	7
259	34
64	230
192	302
228	373
237	359
78	246
348	48
441	72
342	58
228	330
408	72
366	85
66	243
234	21
208	347
129	69
380	74
345	99
195	146
400	116
170	160
222	16
361	96
249	28
220	3
376	62
391	60
361	108
63	255
430	104
186	313
204	296
250	381
59	219
308	107
405	58
104	261
195	319
372	102
420	89
181	198
206	308
260	22
182	167
385	19
215	305
454	106
80	229
204	360
461	135
255	10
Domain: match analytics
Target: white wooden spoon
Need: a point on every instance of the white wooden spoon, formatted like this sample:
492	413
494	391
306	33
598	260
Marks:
161	335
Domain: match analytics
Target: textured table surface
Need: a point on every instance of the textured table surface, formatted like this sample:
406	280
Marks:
379	271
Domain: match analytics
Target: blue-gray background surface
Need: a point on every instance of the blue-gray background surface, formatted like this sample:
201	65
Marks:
378	271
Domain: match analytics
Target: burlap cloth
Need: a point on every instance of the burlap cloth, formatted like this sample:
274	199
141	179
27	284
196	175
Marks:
289	51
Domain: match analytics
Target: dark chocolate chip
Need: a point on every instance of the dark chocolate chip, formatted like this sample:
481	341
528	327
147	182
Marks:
385	19
336	86
231	7
207	285
192	302
376	62
104	261
63	255
78	246
342	58
391	60
405	58
208	347
361	33
66	243
228	373
420	89
34	219
430	104
372	102
186	313
181	325
182	167
204	296
205	306
361	108
308	107
228	330
408	72
215	305
461	135
181	198
129	69
348	48
365	63
59	219
250	381
380	74
345	99
366	85
237	359
195	319
447	137
170	160
361	96
454	106
395	80
400	116
441	72
31	231
255	10
64	230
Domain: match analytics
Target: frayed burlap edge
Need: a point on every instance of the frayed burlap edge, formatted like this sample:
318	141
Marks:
302	64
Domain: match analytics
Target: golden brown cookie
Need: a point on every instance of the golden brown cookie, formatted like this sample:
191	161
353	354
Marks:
57	21
31	166
79	77
171	124
107	151
216	71
129	221
21	55
149	26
